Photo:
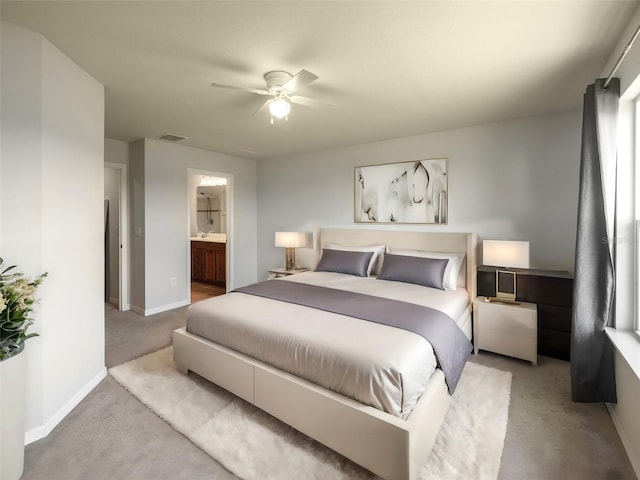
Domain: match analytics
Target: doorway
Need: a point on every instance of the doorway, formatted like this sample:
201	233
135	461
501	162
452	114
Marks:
116	235
210	234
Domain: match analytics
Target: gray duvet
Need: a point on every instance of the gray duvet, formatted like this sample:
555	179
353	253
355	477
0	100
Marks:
378	365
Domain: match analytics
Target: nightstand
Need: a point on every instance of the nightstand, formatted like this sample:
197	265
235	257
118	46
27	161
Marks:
552	292
283	272
507	328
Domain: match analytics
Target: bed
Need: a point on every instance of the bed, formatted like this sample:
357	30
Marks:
389	437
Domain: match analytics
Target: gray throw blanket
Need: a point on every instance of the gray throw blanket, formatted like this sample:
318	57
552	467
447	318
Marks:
451	346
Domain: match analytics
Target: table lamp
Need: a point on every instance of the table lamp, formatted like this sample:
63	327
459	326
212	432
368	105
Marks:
290	241
505	254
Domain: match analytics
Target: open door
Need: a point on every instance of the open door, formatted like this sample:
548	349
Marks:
117	235
210	207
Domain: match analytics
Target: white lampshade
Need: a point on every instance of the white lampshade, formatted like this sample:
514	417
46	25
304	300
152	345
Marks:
279	107
291	239
505	253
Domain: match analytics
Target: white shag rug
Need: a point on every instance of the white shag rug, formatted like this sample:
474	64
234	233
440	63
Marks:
254	445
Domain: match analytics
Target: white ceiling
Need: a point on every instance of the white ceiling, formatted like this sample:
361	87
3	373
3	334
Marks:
392	68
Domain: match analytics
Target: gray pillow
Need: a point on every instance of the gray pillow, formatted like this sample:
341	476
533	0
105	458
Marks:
341	261
422	271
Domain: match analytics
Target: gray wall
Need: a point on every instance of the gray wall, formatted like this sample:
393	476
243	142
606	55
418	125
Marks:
137	209
516	180
160	181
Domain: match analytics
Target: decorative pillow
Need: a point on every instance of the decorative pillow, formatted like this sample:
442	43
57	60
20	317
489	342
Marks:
376	258
423	271
453	267
341	261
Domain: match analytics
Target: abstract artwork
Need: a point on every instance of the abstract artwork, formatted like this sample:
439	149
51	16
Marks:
406	192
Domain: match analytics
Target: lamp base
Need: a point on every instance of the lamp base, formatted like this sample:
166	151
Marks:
506	285
289	258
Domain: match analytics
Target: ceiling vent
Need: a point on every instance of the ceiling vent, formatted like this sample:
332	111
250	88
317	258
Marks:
171	138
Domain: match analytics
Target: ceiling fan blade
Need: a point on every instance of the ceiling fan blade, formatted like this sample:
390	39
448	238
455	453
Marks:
309	102
262	107
299	79
244	89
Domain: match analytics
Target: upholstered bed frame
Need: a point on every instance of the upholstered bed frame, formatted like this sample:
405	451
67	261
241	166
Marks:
389	446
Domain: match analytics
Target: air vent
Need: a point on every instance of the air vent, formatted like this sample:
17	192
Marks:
171	138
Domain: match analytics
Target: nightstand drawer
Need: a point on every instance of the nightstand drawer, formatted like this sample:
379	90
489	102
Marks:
511	345
509	329
518	320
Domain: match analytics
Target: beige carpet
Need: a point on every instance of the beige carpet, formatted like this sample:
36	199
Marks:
254	445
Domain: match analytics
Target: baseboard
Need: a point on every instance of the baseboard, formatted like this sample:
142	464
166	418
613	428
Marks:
164	308
635	462
160	309
124	307
43	430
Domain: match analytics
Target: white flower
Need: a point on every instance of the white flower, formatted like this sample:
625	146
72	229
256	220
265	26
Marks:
17	296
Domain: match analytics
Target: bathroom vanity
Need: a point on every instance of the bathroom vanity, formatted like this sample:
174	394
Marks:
208	259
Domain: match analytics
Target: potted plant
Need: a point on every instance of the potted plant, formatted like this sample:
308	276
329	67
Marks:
17	296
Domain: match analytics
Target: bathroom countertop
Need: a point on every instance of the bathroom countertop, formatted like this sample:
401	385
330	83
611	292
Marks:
212	237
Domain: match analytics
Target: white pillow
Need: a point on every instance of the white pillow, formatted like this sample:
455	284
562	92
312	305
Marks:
374	263
452	271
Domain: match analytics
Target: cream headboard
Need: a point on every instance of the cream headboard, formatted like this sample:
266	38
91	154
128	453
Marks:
408	240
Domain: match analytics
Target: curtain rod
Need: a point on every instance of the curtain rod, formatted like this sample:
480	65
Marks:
622	55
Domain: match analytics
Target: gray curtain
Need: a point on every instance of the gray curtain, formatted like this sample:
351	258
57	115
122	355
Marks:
592	373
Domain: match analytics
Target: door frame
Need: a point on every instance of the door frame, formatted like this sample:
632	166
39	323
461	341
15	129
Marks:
229	250
124	258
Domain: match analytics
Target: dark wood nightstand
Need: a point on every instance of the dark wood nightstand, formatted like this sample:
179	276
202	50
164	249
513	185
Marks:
552	292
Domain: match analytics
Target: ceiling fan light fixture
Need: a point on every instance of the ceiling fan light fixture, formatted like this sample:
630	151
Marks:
279	107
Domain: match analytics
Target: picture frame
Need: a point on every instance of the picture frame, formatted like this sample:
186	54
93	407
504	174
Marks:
414	192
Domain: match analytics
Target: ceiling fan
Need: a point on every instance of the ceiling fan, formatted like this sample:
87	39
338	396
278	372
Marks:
280	87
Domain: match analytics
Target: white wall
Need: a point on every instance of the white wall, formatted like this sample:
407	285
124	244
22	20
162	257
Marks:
514	180
625	412
161	170
52	217
116	151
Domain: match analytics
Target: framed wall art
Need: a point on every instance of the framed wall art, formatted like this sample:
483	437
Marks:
405	192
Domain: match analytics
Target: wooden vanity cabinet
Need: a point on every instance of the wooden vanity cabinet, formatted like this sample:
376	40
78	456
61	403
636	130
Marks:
208	262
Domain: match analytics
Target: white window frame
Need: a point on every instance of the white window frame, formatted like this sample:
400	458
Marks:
636	213
636	271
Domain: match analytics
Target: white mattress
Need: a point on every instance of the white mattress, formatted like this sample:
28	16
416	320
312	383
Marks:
385	367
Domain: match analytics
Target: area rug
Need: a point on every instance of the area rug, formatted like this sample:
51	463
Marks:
255	446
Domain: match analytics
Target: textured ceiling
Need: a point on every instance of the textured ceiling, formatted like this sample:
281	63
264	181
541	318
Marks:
392	69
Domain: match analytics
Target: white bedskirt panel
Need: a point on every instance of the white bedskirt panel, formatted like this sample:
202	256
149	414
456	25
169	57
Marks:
385	367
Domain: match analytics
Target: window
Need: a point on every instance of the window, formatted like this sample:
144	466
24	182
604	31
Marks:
636	273
635	202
